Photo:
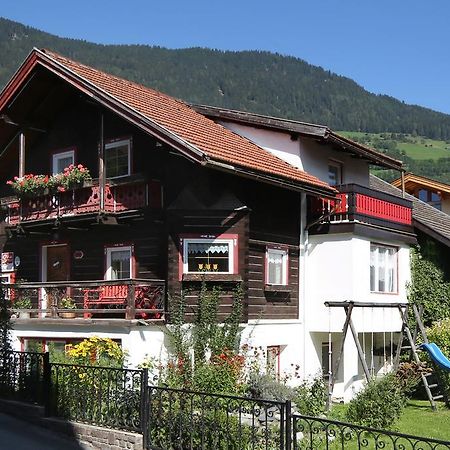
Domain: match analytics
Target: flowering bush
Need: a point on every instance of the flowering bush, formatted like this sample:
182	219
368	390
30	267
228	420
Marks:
35	185
97	351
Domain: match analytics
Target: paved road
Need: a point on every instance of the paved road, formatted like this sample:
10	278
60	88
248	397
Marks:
19	435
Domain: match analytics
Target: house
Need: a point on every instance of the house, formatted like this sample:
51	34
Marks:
433	192
181	194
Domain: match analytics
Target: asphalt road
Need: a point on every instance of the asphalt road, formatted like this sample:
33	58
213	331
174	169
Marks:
19	435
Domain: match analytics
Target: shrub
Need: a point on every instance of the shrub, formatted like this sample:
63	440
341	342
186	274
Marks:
266	387
311	397
379	405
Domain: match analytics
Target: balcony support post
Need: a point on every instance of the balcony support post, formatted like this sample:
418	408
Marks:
403	183
21	154
131	302
101	165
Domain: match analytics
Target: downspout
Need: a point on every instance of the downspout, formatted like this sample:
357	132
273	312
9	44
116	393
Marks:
403	183
302	300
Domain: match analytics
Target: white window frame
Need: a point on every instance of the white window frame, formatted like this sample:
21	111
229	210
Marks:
285	272
386	268
119	143
231	243
61	155
109	251
6	280
338	165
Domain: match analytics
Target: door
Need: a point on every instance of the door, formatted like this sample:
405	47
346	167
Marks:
55	267
57	263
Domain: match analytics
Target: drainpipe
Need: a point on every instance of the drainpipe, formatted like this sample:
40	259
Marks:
21	154
303	250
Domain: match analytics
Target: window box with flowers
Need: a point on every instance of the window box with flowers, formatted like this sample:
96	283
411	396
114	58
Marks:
30	185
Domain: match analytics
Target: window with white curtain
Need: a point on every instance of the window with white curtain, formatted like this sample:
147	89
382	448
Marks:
208	255
383	268
118	263
276	266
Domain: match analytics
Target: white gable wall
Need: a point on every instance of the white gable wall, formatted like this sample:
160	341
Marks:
306	154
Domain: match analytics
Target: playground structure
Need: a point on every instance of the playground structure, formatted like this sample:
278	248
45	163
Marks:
434	391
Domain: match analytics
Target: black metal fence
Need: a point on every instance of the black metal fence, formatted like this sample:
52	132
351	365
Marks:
178	419
188	420
313	433
103	396
22	376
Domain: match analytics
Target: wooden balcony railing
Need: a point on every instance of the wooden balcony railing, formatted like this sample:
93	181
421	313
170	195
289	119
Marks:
101	299
85	200
358	203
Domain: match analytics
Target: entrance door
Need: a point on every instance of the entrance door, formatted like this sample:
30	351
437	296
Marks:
55	267
57	263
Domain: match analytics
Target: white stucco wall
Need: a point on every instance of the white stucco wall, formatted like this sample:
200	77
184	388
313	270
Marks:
306	154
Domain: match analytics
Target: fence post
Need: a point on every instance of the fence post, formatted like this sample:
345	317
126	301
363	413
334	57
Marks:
145	408
288	427
46	380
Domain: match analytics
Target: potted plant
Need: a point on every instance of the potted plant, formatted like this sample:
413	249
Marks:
23	303
67	303
73	177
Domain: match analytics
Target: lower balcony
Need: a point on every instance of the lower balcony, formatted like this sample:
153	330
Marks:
85	200
87	301
364	205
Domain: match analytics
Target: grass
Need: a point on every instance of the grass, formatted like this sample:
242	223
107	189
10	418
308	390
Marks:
416	147
418	419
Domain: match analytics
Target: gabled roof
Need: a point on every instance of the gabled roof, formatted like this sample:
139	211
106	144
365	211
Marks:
413	181
426	218
172	121
319	132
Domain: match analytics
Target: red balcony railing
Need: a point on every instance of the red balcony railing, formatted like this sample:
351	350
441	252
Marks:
116	299
358	203
86	200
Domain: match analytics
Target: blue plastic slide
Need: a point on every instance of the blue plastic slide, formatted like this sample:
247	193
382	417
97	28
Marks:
437	356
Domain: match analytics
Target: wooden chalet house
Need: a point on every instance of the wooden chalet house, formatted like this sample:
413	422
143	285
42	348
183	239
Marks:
180	194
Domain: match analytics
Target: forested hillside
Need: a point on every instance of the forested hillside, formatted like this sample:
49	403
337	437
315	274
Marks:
260	82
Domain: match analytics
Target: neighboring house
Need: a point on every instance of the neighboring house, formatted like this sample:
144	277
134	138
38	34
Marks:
181	194
432	227
433	192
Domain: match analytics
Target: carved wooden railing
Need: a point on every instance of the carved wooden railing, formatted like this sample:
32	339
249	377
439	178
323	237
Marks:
100	299
85	200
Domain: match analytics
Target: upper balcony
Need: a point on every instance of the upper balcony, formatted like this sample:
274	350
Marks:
128	195
359	204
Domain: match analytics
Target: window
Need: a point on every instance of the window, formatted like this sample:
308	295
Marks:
276	266
334	173
62	160
432	198
118	263
209	255
273	360
383	268
117	159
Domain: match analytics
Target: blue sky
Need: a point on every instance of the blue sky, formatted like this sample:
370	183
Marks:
394	47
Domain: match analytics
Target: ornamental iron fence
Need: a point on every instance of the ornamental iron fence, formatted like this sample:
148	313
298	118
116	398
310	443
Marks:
179	419
188	420
103	396
313	433
22	376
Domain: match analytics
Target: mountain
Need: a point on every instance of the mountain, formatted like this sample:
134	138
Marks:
255	81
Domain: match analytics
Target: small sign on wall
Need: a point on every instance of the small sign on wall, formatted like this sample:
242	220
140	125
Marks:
78	254
7	264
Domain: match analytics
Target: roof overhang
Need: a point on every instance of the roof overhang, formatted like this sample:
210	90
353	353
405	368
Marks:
40	58
309	130
417	181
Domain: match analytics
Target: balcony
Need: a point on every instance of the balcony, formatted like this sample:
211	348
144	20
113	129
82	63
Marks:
88	301
359	204
86	200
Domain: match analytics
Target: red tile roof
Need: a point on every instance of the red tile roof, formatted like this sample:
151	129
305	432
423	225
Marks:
215	141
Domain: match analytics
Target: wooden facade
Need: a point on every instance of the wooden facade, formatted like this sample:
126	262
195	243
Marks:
185	200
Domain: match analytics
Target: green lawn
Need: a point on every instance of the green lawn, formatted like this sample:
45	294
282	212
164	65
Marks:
418	419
